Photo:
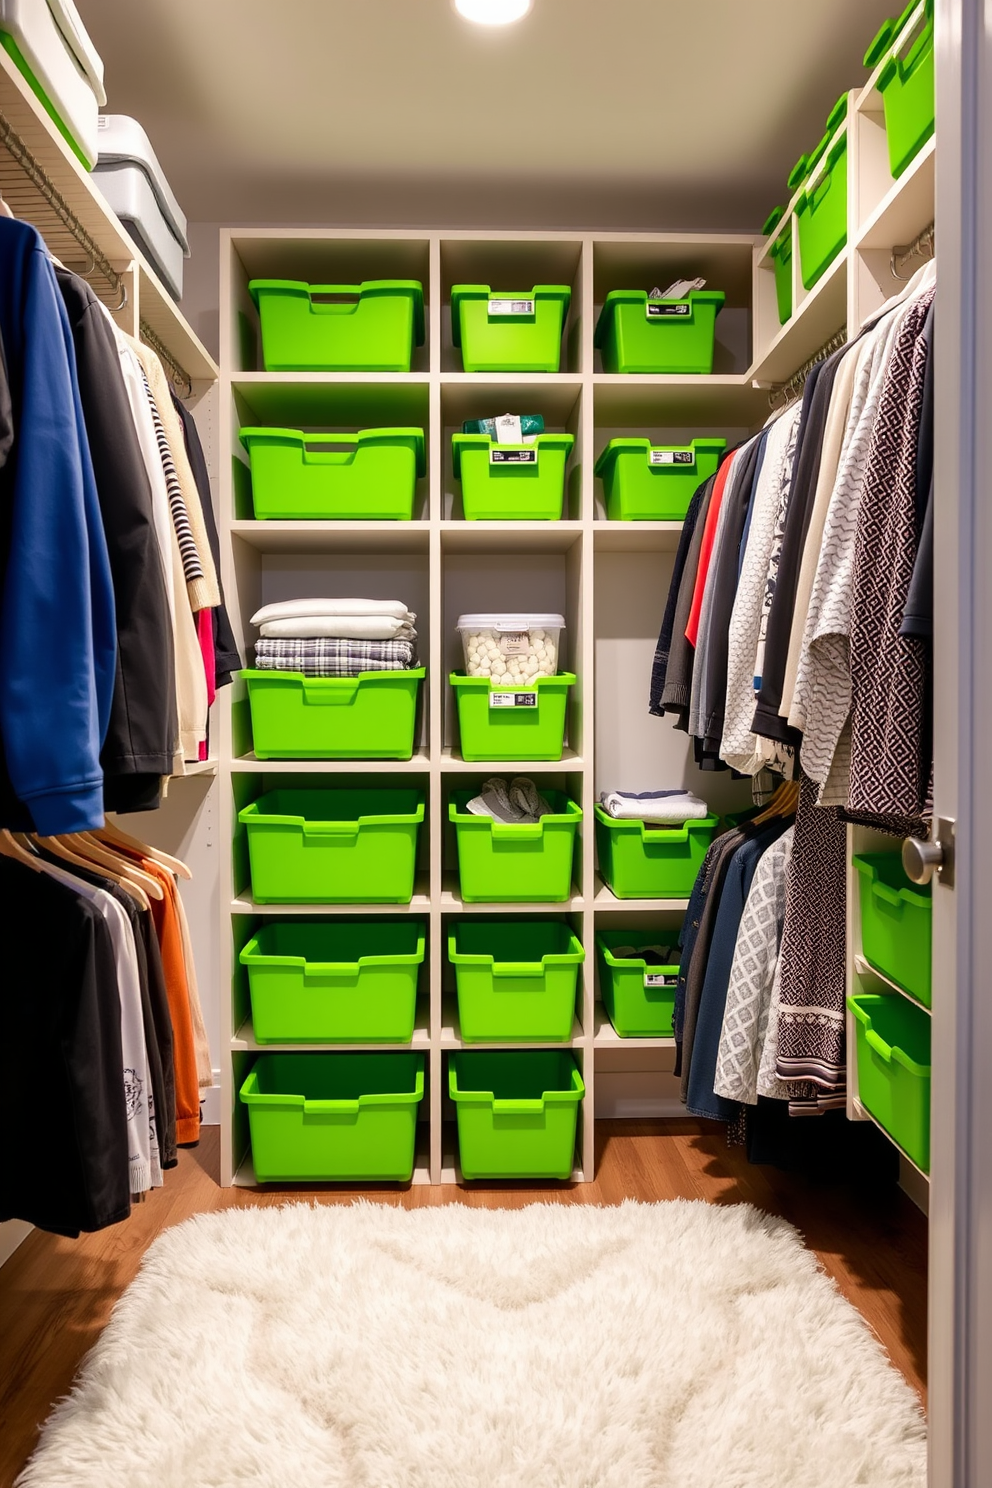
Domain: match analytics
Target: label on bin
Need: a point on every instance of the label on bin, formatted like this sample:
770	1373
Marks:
660	979
514	642
657	312
511	307
670	457
512	456
513	700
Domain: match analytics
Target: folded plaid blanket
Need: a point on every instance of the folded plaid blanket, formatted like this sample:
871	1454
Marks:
326	657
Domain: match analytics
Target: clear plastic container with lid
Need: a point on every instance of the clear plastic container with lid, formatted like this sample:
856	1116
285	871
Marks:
511	649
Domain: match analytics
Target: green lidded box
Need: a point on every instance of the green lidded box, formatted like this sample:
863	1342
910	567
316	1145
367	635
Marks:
368	327
512	482
334	981
516	979
334	1117
893	1053
780	254
638	334
368	476
906	82
517	1112
506	723
645	482
327	846
371	716
821	210
639	997
896	919
503	331
638	861
515	862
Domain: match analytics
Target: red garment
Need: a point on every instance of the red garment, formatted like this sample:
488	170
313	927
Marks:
205	635
706	550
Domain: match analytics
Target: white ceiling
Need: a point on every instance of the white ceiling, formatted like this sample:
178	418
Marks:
589	113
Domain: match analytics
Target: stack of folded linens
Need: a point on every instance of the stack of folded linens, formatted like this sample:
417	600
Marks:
335	637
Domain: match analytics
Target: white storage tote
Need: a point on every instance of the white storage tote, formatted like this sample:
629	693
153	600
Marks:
49	45
130	177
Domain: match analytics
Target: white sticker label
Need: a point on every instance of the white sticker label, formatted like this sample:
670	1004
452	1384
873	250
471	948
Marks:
670	457
511	307
657	311
508	429
514	642
513	700
660	979
499	456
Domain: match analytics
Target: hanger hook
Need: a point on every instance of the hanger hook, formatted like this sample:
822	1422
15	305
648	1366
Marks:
123	300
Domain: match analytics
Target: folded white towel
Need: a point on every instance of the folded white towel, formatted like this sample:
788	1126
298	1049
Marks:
288	609
668	808
340	627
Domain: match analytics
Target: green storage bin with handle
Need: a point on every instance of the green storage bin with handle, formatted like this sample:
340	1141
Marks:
893	1053
821	210
645	482
896	923
334	981
504	331
512	482
906	81
329	846
517	1112
368	327
507	723
334	1117
515	979
371	716
639	996
515	862
368	476
635	333
780	254
638	861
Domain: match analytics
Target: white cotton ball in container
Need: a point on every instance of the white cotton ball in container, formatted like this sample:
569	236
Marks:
537	635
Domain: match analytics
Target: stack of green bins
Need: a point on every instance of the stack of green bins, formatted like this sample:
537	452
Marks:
645	482
500	331
896	923
512	482
368	327
369	716
906	82
821	210
517	1112
639	333
893	1053
780	254
515	862
368	476
499	723
516	979
639	997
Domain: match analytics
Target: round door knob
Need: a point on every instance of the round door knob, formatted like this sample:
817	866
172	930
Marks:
921	860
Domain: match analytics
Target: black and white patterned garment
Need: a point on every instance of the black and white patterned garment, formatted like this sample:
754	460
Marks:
330	657
192	567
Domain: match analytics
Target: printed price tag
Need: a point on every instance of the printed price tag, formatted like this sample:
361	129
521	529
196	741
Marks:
660	979
512	456
670	457
659	311
513	700
511	307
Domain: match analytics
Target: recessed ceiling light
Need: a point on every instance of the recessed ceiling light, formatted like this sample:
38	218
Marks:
493	12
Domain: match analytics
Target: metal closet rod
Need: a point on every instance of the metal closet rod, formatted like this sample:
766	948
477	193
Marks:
791	389
924	246
43	183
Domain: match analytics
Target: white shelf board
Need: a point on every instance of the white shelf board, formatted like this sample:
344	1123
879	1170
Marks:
636	537
606	1036
196	767
453	762
333	537
244	1039
451	1034
865	969
419	904
452	901
817	318
244	1177
606	899
907	207
509	537
642	398
247	763
863	1114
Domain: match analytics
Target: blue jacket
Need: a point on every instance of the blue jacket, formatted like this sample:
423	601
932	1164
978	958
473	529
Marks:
57	635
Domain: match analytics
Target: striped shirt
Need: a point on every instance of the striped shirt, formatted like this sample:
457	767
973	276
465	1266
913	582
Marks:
192	568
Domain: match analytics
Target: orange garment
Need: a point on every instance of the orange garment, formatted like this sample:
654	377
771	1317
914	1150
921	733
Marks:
706	549
165	918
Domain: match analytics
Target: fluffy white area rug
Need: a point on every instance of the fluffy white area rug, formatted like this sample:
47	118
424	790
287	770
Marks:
673	1345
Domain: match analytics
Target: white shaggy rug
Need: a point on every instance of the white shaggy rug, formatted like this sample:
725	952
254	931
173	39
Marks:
673	1345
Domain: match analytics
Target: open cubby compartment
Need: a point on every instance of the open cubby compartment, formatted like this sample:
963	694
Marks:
545	777
317	256
486	395
512	265
633	1076
333	404
331	570
510	576
645	263
451	1037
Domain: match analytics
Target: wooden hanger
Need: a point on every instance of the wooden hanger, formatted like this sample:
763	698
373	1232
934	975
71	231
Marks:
783	803
86	844
114	836
10	848
58	847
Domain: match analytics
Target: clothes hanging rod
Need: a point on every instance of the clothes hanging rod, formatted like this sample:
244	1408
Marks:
791	389
924	246
180	376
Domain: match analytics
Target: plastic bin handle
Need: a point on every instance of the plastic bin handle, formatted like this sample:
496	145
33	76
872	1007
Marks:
331	829
330	697
518	1107
518	831
518	969
887	895
330	1108
876	1042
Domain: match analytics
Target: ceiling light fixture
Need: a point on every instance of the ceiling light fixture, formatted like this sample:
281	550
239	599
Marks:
493	12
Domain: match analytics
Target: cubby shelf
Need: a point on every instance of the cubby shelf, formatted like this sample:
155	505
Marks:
451	901
246	763
870	975
419	904
606	1036
451	1037
244	1040
244	1176
452	761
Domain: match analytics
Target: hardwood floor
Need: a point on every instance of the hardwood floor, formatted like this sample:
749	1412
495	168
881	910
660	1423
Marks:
56	1295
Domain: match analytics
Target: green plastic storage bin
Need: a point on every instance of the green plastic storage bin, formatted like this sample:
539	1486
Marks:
780	254
821	210
512	482
334	981
371	475
516	979
645	482
368	327
893	1052
515	863
503	723
906	82
641	862
371	716
333	1117
499	331
639	998
896	917
333	846
638	334
517	1112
